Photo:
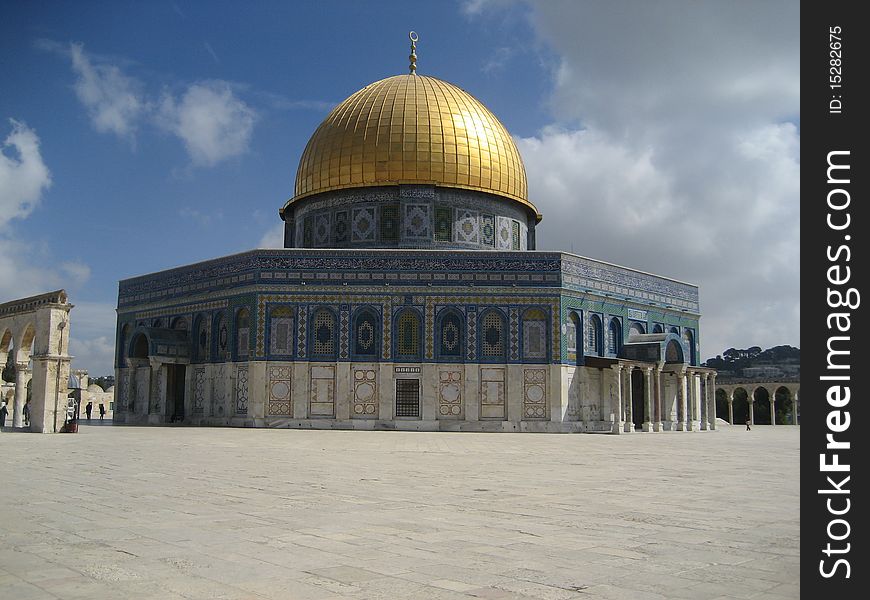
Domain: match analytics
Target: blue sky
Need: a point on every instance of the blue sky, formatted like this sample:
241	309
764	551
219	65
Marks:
141	136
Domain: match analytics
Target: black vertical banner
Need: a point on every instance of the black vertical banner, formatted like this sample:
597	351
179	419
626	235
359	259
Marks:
835	168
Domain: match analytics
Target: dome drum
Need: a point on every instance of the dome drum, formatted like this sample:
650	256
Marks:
408	216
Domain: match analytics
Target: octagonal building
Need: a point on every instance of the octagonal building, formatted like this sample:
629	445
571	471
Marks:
409	295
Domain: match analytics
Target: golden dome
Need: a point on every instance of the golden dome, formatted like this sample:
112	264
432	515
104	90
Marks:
412	129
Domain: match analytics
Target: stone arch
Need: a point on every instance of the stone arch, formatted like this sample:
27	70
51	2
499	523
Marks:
722	403
492	336
408	335
740	404
674	352
139	346
365	334
637	380
761	406
450	335
24	345
636	328
784	405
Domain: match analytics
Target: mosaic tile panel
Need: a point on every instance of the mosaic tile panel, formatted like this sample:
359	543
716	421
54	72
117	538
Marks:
344	333
514	334
199	383
492	341
492	394
417	221
281	335
534	394
364	225
365	392
502	233
302	335
515	235
471	338
534	338
323	333
322	229
322	400
450	394
466	228
241	392
280	386
219	390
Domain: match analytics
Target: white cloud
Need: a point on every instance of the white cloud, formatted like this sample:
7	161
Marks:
673	150
274	237
113	100
211	121
23	174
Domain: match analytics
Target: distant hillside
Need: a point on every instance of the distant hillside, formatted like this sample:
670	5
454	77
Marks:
755	363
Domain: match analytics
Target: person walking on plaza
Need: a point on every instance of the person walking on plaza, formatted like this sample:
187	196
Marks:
102	411
3	412
26	411
88	409
747	425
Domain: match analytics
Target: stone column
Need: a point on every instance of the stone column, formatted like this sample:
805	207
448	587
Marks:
772	398
702	398
22	374
711	399
617	413
627	403
682	390
751	399
692	421
648	399
731	407
657	392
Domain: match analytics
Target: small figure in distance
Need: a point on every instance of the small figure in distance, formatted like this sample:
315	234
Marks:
26	412
747	425
3	412
88	408
102	411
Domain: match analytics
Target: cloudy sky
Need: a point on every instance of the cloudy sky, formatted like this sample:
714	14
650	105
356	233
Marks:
660	135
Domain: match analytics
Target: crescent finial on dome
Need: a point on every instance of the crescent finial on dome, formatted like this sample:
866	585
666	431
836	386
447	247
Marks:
414	37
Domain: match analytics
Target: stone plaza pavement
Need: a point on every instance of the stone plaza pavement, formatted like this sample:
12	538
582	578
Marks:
172	512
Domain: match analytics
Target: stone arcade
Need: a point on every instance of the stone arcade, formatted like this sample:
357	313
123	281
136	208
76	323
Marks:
410	295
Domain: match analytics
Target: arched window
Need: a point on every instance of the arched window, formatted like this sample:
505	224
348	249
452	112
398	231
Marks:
158	323
614	339
139	347
492	336
366	341
572	327
596	335
657	328
450	334
408	335
636	329
180	324
675	330
689	339
534	334
673	352
243	332
281	330
323	334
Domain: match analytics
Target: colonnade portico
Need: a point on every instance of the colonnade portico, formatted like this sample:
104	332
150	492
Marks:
36	330
771	387
674	397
